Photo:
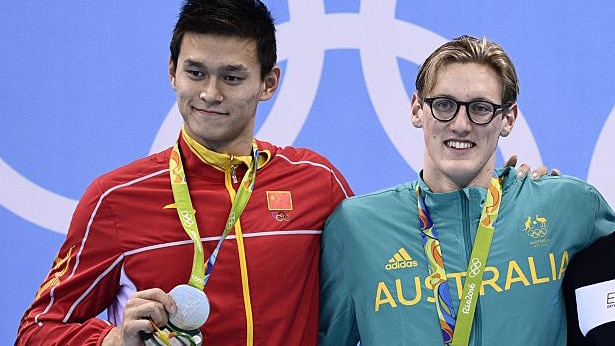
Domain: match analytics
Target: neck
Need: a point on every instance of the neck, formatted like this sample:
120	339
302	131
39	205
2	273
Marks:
234	149
441	183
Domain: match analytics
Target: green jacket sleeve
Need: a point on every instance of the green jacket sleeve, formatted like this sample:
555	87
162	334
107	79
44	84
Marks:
338	325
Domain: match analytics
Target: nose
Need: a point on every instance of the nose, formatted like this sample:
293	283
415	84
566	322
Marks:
211	93
461	123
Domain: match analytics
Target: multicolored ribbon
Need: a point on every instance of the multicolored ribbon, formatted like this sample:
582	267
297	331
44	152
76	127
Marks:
437	273
456	327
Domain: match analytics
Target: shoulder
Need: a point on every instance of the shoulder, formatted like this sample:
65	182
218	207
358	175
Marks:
371	213
381	201
141	169
294	155
550	186
562	192
393	192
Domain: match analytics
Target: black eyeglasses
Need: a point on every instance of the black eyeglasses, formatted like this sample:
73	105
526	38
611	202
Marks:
479	112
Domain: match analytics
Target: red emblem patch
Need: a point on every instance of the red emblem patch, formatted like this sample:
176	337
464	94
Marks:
279	200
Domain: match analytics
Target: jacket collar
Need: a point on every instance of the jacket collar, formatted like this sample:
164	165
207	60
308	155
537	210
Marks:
222	161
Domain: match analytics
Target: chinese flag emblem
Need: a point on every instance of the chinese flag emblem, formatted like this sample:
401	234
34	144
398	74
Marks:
279	200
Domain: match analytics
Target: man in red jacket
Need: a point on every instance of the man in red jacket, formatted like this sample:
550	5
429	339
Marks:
258	208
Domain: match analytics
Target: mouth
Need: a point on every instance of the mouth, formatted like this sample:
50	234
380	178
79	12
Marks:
459	145
208	111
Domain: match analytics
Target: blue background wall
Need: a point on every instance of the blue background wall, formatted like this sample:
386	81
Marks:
85	89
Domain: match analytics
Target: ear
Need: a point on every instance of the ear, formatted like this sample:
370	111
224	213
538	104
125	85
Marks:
416	110
509	119
172	72
270	83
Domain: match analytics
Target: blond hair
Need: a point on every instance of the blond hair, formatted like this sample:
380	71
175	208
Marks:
467	49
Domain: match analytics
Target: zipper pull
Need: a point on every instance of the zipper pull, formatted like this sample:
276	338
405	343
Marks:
233	172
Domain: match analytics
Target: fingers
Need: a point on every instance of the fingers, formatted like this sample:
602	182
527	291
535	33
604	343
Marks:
523	169
511	162
157	295
145	306
131	331
539	172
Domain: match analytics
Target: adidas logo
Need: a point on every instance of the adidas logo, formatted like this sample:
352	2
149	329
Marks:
401	259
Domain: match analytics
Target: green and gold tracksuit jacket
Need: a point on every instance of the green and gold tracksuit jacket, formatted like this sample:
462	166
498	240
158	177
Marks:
374	273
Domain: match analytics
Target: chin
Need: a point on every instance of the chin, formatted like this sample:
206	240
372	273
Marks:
460	173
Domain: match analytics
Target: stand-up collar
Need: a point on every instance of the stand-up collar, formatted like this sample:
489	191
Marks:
219	160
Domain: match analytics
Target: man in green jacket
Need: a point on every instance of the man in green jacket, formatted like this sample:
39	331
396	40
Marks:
467	254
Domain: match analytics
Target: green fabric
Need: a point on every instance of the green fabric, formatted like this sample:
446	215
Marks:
541	224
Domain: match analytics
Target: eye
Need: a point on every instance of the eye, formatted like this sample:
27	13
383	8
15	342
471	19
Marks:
195	73
481	108
232	78
444	105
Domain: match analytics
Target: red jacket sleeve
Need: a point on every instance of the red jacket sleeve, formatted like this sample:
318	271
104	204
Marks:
82	282
341	189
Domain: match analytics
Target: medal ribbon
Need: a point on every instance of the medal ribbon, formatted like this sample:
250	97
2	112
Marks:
456	328
186	212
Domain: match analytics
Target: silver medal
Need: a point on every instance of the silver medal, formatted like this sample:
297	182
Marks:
192	312
192	307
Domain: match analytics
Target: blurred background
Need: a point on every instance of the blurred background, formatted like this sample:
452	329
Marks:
85	89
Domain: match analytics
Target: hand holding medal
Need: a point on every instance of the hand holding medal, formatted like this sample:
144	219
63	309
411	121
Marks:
183	327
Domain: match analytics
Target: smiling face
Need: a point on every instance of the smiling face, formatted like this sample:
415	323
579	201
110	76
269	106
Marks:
460	153
218	84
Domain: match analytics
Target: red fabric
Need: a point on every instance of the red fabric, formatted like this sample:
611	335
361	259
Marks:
131	230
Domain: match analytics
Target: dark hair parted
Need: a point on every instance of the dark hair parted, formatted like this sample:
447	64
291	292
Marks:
249	19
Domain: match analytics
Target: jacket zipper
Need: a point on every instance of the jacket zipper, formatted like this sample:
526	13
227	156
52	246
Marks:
242	256
476	325
233	171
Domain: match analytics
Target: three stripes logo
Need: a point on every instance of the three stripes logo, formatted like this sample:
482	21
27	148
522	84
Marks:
401	259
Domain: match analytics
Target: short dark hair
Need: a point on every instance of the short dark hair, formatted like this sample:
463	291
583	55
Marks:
248	19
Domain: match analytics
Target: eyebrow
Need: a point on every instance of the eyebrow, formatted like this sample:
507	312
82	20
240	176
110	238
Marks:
227	68
238	67
192	63
476	99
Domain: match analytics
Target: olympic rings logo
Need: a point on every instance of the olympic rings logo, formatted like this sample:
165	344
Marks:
231	220
537	233
280	216
187	218
475	266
